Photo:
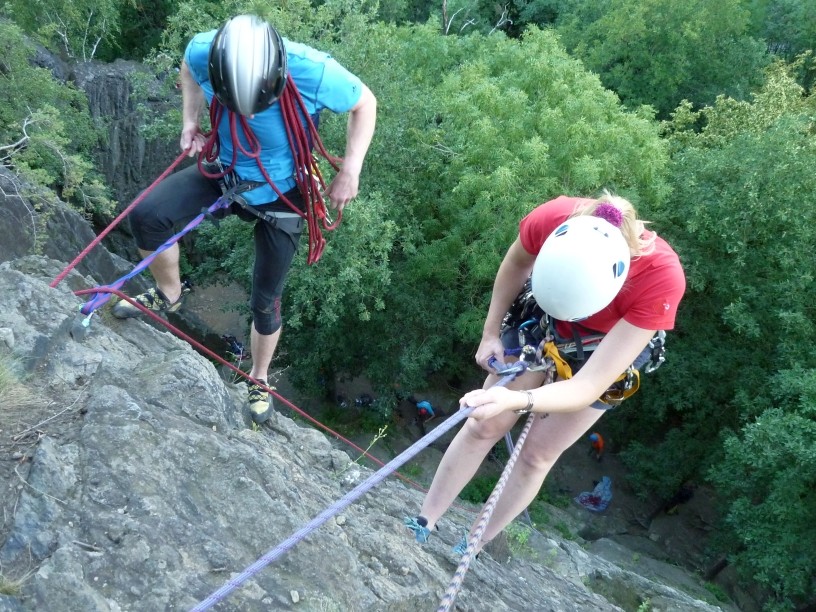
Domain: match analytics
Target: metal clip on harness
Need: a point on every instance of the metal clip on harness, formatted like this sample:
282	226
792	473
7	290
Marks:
658	346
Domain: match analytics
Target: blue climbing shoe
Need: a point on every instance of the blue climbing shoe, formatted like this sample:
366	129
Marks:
419	525
461	548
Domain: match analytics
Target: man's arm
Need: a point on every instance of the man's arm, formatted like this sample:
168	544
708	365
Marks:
360	131
192	105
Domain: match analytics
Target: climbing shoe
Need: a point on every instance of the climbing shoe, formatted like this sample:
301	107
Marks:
152	299
260	403
419	525
461	548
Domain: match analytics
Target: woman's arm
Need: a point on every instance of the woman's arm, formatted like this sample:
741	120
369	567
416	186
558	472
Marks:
513	272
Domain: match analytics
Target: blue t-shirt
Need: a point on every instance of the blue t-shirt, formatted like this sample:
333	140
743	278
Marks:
322	83
424	404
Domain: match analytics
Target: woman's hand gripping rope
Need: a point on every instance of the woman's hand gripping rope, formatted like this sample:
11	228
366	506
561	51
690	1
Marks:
487	403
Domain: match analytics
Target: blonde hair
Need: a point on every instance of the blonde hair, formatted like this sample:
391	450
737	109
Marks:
632	228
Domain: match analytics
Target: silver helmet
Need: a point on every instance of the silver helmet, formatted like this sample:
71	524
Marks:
247	65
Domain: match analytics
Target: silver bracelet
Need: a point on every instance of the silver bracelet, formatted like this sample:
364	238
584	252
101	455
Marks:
529	408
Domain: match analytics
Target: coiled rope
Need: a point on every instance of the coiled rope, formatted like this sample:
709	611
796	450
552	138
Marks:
302	135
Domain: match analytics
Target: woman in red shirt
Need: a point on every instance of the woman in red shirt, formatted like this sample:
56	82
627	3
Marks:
590	260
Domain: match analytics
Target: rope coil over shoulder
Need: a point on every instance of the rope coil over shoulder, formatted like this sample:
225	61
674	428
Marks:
303	136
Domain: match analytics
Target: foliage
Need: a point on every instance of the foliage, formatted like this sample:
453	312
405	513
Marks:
769	474
787	26
518	540
46	133
142	24
194	16
377	437
659	53
403	286
742	362
76	28
479	488
462	159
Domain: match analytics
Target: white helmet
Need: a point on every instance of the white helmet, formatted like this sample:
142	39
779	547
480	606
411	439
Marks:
580	268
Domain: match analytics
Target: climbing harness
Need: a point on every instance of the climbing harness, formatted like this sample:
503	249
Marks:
658	352
537	329
232	188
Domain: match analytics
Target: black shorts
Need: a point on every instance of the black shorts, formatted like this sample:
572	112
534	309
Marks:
180	197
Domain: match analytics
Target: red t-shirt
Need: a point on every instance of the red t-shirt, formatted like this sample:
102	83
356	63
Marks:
652	290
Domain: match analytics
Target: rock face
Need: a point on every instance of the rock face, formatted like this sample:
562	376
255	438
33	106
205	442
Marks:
129	160
134	481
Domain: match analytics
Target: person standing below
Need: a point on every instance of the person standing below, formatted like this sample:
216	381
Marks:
596	445
245	66
425	411
589	260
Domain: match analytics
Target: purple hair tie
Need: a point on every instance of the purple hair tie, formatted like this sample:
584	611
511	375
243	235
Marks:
610	213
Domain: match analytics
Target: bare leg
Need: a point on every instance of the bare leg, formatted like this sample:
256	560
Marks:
467	451
262	349
165	270
547	440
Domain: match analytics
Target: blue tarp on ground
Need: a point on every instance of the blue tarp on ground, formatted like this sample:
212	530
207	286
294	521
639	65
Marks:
599	498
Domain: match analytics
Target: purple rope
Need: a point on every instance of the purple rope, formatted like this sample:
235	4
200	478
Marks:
343	503
100	299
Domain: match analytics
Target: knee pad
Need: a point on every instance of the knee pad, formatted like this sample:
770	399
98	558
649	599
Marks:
267	322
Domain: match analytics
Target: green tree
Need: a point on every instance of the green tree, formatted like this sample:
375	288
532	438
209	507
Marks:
659	53
787	26
76	28
473	132
769	474
742	362
461	158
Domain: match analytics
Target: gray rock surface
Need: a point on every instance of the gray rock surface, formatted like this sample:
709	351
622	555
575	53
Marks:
150	489
129	160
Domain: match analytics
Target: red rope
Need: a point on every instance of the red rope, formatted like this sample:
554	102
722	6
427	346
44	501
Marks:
113	224
203	349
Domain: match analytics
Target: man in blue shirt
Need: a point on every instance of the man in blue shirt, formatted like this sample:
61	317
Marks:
246	66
